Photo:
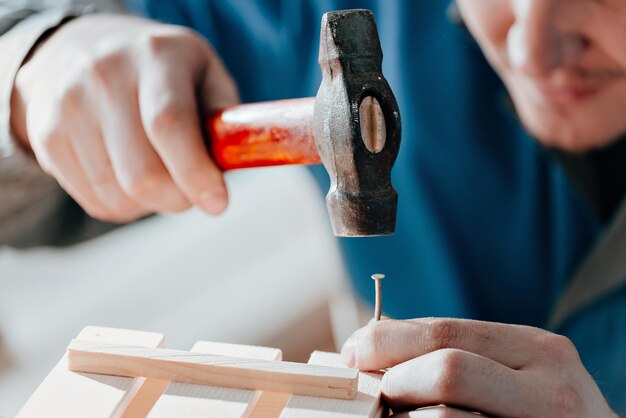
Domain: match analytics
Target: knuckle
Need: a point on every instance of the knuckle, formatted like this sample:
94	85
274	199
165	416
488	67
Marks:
145	183
51	141
560	348
121	208
156	43
71	100
175	204
127	209
564	402
99	72
166	39
103	65
164	119
448	373
104	69
180	206
196	177
102	176
442	333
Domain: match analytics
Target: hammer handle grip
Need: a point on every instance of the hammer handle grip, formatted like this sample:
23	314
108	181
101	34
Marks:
263	134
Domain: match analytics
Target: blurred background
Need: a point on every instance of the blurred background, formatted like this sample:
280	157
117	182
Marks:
267	272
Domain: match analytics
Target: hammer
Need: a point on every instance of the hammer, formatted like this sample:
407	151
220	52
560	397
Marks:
352	126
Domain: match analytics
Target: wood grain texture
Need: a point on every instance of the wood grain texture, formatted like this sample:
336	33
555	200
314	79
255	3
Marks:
65	394
365	405
202	401
186	367
269	405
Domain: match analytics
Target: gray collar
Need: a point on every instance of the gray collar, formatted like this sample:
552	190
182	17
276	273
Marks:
603	273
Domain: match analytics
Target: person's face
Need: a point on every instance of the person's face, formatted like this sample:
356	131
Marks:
563	62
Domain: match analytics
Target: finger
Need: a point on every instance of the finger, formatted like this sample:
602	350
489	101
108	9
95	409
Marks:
92	157
387	343
462	379
138	168
101	177
169	112
439	411
374	320
218	87
59	159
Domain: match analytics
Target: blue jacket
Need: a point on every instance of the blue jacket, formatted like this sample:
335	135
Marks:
489	227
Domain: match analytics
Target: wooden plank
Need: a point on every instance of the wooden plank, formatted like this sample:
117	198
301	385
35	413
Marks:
238	350
365	405
266	404
269	405
202	401
186	367
65	394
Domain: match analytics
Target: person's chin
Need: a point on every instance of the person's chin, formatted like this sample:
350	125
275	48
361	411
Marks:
567	118
565	132
554	129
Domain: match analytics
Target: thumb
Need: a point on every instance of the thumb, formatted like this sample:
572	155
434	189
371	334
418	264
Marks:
353	351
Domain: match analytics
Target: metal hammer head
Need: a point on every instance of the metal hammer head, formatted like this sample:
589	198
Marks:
356	126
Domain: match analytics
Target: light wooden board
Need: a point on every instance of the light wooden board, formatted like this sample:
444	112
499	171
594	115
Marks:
269	405
365	405
201	401
65	394
186	367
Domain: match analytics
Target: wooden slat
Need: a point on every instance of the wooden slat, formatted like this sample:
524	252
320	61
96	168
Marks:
266	404
238	350
269	405
186	367
365	405
65	394
202	401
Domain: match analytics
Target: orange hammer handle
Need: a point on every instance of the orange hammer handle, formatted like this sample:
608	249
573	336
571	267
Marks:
263	134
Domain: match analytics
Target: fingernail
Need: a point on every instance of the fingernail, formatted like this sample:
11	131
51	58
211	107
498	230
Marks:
348	352
213	202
